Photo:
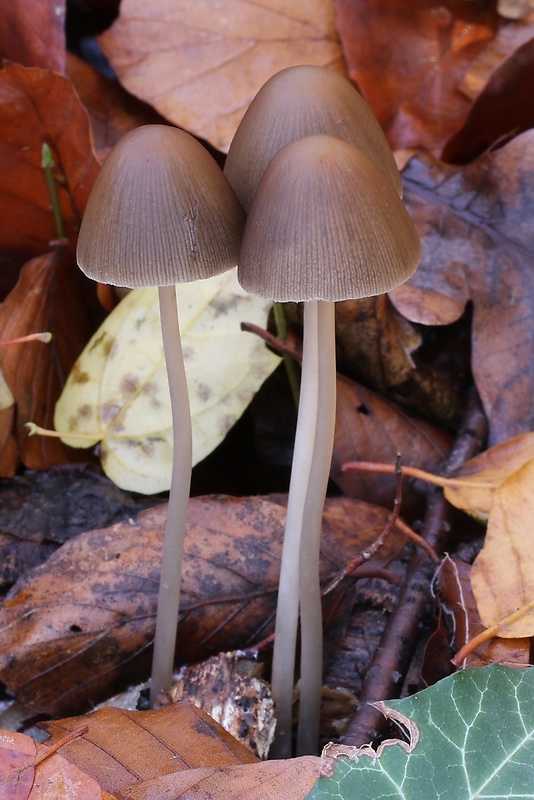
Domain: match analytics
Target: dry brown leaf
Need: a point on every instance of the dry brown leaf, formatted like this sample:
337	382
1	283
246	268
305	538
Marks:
112	111
418	81
271	780
86	617
39	107
457	596
477	236
51	295
502	576
479	477
29	772
370	428
121	747
503	109
32	33
200	65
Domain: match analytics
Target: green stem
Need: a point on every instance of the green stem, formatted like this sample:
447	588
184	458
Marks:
281	332
47	163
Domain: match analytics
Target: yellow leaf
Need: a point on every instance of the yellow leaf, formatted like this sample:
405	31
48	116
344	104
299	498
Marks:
472	487
502	576
117	392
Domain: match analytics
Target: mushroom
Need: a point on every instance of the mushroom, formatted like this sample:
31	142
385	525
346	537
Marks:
302	101
325	225
160	213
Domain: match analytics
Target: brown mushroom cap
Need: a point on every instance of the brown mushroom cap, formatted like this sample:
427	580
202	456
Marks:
325	224
303	101
160	212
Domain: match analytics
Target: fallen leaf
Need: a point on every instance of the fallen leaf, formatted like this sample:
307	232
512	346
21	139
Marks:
125	747
170	53
118	390
74	625
370	428
478	241
112	111
32	33
476	740
501	111
477	480
411	80
51	295
39	107
502	576
29	772
454	581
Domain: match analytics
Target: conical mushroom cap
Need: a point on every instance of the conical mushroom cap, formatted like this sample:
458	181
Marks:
160	212
325	224
303	101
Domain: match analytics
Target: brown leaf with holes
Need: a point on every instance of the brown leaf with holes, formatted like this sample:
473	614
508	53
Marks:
51	295
76	624
39	107
457	597
370	428
32	33
420	82
475	224
170	53
502	576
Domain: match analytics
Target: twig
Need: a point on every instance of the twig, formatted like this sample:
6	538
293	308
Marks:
385	676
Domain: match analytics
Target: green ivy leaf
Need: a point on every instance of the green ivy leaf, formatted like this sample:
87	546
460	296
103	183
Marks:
475	734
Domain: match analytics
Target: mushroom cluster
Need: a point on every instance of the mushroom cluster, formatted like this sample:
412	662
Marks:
325	223
161	212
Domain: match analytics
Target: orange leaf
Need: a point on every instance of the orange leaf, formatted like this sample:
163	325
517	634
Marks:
51	295
32	33
38	107
201	66
502	576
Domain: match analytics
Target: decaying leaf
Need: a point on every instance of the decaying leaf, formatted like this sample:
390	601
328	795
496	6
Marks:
170	53
118	390
74	625
477	237
32	33
502	576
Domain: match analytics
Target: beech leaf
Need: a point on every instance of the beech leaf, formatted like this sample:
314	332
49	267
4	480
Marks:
118	394
170	53
476	740
502	576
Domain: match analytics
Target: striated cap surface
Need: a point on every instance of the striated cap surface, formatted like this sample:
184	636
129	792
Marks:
160	212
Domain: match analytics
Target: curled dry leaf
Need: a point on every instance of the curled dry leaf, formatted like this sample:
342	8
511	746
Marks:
477	237
39	107
502	576
51	295
171	52
458	601
118	391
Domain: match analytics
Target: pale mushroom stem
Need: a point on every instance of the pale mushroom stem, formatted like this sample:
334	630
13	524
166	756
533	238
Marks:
175	526
302	512
311	620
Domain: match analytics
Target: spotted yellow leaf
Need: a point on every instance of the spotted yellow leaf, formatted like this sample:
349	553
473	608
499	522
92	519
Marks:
117	393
